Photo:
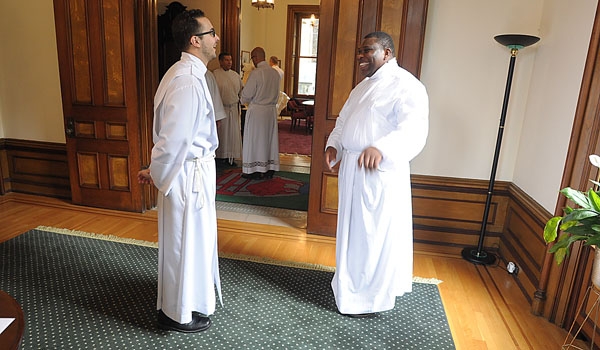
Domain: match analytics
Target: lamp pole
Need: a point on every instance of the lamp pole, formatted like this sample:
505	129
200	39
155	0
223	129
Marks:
514	42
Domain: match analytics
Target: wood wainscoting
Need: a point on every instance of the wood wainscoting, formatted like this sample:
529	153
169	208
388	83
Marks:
447	211
34	167
447	217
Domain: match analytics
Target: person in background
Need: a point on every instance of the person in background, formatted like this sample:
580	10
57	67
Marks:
274	63
381	127
215	96
183	169
260	150
230	87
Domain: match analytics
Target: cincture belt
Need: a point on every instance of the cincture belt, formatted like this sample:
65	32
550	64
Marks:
197	180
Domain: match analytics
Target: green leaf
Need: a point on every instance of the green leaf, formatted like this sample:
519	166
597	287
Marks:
568	210
551	229
580	231
594	240
577	197
594	200
560	255
565	225
580	214
565	241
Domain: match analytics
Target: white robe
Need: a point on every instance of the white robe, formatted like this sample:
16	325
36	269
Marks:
215	96
230	136
260	151
374	245
183	169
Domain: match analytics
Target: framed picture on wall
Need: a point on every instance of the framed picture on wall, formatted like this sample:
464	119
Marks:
245	56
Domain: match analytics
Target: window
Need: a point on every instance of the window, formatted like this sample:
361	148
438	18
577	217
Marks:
307	58
303	35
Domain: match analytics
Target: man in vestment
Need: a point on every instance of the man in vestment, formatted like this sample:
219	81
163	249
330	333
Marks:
260	150
381	127
274	63
230	86
183	169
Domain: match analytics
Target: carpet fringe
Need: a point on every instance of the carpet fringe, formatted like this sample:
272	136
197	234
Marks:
251	258
426	280
99	236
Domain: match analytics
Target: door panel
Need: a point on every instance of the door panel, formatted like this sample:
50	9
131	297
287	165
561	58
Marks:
97	58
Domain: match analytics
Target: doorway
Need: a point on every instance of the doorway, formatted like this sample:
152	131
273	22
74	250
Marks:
253	30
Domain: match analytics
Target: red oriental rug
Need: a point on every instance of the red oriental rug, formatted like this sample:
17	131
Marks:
285	190
294	141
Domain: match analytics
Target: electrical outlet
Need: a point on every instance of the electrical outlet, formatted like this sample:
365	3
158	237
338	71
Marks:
512	268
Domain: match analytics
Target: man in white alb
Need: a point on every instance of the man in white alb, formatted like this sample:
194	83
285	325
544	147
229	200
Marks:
274	63
229	130
183	169
381	127
260	150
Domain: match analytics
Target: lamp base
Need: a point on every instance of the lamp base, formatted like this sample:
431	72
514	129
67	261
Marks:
482	257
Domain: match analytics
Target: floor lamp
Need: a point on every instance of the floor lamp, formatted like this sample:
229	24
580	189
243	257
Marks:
514	42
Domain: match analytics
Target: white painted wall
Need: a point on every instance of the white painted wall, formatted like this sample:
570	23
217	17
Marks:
464	70
552	98
30	101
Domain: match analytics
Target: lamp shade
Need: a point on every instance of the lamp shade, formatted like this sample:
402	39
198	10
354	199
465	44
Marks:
516	41
262	4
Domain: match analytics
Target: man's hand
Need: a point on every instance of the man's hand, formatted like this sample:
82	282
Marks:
144	176
330	157
370	158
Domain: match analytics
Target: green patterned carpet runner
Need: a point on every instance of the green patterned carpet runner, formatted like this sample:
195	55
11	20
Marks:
83	293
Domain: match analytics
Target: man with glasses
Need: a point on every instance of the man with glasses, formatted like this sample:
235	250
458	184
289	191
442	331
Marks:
381	127
183	169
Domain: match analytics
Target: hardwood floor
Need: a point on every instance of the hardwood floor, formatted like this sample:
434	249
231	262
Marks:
485	308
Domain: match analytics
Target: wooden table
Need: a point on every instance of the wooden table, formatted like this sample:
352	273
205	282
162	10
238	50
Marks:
9	308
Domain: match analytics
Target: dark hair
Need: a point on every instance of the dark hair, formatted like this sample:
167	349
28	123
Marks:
223	54
384	39
184	27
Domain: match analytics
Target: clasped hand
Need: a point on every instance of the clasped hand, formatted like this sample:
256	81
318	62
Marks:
144	176
369	158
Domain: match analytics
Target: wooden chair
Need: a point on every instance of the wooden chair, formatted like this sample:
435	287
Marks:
297	113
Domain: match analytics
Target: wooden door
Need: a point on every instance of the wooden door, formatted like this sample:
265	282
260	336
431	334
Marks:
337	74
98	73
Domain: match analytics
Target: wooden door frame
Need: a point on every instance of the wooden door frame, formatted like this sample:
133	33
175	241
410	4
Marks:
585	140
293	46
147	48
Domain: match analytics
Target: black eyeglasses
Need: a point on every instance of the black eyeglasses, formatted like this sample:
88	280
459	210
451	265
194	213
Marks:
211	32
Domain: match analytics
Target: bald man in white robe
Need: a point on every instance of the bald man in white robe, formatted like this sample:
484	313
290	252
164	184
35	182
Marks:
381	127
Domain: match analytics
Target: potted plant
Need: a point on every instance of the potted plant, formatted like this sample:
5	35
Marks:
577	224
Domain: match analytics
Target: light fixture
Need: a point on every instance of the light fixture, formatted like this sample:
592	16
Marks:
263	4
313	20
514	42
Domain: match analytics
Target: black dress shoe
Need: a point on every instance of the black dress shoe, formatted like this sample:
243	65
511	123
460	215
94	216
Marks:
253	176
199	323
367	315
